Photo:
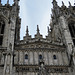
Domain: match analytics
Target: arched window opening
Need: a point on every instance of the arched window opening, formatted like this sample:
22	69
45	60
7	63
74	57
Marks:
2	26
40	56
54	56
26	56
72	30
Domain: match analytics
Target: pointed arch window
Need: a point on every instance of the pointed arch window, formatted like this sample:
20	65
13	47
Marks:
26	56
71	26
40	56
2	26
54	56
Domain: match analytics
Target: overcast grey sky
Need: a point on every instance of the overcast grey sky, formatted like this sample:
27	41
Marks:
36	12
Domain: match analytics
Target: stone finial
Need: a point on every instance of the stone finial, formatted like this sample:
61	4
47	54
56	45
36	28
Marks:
54	2
37	29
38	35
49	34
69	3
27	37
27	31
62	3
16	2
7	1
48	29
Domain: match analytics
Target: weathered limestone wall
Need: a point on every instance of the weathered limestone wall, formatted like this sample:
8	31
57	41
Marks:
1	70
33	58
36	73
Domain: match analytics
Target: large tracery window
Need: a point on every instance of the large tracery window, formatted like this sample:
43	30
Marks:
72	30
2	25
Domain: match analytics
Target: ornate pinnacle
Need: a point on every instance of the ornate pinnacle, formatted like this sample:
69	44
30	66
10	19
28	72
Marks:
54	0
54	3
27	31
37	29
7	1
69	3
48	29
62	3
16	2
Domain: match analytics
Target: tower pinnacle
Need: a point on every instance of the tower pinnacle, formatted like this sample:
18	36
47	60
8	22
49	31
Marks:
62	3
48	29
54	3
7	1
16	2
69	3
27	34
37	29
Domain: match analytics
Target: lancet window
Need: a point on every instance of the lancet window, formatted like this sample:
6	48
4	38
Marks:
2	26
72	30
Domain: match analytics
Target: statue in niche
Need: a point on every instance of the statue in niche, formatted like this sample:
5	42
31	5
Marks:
42	70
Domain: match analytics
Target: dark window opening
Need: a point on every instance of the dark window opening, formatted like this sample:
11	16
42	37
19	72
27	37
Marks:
40	56
2	30
2	26
1	39
72	30
54	56
74	41
26	56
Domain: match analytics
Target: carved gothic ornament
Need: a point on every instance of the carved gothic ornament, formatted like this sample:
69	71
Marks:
39	45
4	12
36	69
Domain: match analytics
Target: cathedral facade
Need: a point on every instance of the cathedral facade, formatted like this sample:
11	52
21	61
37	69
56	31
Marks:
53	55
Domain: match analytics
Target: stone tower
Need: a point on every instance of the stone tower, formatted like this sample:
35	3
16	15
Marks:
63	27
53	55
9	32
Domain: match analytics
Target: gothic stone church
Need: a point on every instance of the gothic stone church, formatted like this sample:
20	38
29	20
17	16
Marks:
53	55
